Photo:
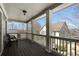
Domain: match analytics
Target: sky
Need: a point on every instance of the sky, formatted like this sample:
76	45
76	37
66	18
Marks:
70	15
41	21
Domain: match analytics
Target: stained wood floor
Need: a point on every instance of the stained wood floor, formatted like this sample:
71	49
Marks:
25	48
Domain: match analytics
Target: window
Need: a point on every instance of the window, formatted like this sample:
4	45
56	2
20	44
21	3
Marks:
40	25
29	27
17	26
66	19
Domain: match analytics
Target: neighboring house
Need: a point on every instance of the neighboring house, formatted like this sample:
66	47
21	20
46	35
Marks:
61	30
74	33
58	29
36	28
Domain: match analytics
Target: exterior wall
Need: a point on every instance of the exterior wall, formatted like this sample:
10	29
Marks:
3	31
3	19
64	32
75	33
43	32
57	34
0	34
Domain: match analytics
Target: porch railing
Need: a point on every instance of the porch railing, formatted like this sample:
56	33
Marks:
40	39
64	46
19	35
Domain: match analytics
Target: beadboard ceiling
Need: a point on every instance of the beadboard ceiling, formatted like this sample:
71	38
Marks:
14	10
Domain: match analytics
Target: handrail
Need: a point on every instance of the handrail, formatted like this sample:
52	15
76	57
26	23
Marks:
17	33
61	41
39	35
61	38
67	39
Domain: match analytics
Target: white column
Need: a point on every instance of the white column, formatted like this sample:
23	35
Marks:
27	31
48	30
32	29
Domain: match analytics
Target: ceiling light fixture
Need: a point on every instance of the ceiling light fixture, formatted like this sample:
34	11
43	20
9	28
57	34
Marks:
24	12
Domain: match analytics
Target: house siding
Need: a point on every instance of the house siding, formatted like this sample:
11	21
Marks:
64	32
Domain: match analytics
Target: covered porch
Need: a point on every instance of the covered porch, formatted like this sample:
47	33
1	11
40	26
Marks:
31	40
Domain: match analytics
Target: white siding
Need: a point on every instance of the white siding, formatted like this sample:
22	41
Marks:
57	34
64	32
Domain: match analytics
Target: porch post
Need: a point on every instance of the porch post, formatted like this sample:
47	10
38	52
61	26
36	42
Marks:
6	26
18	35
32	29
27	31
48	30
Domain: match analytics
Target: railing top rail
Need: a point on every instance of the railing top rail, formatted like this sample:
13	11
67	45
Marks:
40	35
37	34
60	38
66	39
16	33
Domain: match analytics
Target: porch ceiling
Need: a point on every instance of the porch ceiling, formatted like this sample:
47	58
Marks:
14	10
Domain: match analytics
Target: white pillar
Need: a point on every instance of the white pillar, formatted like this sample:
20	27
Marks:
32	29
48	30
27	31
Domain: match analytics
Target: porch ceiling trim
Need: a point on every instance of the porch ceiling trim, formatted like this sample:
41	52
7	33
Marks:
43	11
